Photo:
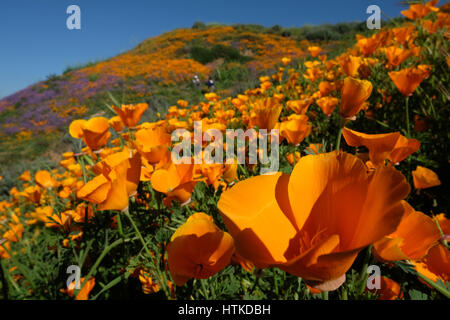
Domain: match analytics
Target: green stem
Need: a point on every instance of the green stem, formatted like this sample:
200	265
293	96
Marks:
127	214
444	241
202	282
341	128
407	118
338	142
119	226
83	169
106	250
344	295
433	284
324	295
363	274
108	286
162	276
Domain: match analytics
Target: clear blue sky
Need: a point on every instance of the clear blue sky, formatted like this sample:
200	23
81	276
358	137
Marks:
35	42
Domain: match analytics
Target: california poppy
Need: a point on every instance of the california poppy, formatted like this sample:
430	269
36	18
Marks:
436	265
265	113
412	240
295	129
389	289
392	146
314	222
116	123
417	11
131	114
286	61
83	294
396	55
314	51
198	249
95	131
118	176
300	106
44	179
327	104
153	143
350	64
176	181
424	178
353	95
407	80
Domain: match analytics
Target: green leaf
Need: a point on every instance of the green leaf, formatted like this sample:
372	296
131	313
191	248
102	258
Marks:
417	295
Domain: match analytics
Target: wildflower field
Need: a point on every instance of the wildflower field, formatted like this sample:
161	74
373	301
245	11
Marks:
356	208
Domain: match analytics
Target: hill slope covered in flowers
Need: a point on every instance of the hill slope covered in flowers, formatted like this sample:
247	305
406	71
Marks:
362	177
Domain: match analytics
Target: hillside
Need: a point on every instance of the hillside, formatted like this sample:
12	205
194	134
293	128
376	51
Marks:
34	121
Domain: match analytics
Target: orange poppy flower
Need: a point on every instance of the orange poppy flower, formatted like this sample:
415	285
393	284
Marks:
95	131
350	64
131	114
230	172
418	11
14	233
198	249
4	252
396	55
424	178
403	34
407	80
314	222
290	157
299	106
33	193
81	212
326	88
265	113
26	176
44	179
212	173
84	292
367	46
153	143
354	93
117	180
286	61
295	129
176	181
116	123
392	146
315	51
390	290
403	148
414	237
436	265
327	104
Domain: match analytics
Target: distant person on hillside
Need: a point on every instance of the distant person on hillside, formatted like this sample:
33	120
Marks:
196	81
210	84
